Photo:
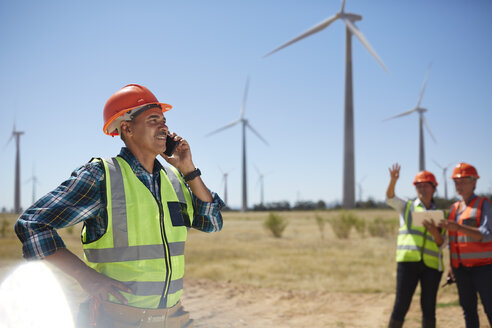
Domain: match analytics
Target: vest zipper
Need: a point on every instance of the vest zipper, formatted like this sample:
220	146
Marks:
163	301
423	246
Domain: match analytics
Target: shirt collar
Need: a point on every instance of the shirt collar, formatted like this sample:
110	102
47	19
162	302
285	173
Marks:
419	203
128	156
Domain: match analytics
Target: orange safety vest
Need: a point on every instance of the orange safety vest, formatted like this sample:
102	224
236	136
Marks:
465	250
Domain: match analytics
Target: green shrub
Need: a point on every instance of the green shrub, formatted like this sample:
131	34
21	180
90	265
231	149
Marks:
382	228
3	227
276	224
342	224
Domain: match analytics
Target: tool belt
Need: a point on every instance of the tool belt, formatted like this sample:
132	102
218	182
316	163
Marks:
123	316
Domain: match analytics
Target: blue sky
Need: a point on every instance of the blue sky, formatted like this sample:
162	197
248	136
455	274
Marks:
61	60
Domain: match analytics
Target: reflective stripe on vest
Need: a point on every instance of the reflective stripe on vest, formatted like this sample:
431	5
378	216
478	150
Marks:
465	250
416	244
132	249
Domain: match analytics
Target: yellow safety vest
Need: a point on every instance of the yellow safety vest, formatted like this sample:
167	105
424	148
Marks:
143	245
416	243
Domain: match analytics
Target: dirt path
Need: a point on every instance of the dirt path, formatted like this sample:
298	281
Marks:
221	305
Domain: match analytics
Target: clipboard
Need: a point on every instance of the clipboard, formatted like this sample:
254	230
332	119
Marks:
419	217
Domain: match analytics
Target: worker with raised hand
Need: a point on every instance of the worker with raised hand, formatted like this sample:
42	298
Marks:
469	226
418	253
136	216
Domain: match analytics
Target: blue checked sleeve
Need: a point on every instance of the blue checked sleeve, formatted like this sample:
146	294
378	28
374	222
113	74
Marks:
208	217
77	199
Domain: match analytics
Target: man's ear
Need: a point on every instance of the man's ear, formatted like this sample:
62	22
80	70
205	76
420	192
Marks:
126	127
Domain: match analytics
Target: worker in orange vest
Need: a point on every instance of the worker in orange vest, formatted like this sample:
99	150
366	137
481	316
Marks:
469	227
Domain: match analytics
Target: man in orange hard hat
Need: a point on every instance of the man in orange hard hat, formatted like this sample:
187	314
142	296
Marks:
469	227
136	215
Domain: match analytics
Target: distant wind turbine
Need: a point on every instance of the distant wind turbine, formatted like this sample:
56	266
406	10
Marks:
245	124
261	180
422	122
224	179
17	188
349	157
35	182
360	188
444	177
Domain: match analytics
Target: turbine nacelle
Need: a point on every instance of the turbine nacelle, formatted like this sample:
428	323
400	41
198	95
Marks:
350	16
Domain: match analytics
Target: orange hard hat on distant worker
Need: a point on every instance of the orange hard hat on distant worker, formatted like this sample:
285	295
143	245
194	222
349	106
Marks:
425	176
464	170
130	100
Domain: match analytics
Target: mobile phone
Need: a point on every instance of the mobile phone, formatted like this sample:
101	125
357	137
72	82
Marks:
171	145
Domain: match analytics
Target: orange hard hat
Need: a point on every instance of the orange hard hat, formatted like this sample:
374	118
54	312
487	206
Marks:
127	101
425	176
463	170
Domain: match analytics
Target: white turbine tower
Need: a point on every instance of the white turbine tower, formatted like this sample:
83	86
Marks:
225	175
17	186
422	122
349	152
245	124
444	177
35	181
261	180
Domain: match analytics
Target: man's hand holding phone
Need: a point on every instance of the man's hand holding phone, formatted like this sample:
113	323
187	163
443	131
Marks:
180	152
171	144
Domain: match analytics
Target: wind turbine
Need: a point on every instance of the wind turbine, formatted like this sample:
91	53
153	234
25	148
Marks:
444	177
17	187
245	124
261	180
348	158
35	182
422	122
224	179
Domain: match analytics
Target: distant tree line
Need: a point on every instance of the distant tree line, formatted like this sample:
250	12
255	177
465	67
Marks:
307	205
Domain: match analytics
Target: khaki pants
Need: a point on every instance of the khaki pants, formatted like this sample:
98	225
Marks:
113	315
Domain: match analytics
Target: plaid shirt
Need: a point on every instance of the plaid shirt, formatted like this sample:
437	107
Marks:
81	198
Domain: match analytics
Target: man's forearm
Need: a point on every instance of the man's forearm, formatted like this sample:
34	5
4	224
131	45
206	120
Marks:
470	231
199	189
69	263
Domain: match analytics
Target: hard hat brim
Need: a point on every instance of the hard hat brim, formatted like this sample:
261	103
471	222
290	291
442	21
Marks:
111	130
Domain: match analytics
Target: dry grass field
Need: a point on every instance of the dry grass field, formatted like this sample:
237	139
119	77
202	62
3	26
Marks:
244	277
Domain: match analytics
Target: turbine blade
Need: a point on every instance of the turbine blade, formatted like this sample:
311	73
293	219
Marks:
243	106
343	6
355	31
439	166
223	128
8	141
428	129
324	24
423	86
257	134
400	115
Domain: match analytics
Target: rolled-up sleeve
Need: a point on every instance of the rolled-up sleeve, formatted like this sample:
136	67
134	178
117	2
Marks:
398	204
75	200
208	216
